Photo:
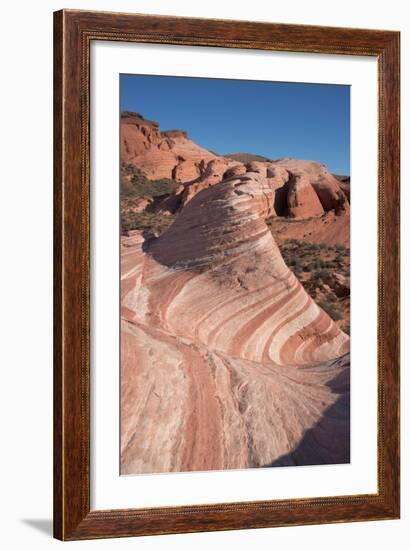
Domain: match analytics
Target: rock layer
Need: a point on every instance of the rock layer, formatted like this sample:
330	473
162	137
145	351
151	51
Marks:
302	201
321	191
226	360
169	154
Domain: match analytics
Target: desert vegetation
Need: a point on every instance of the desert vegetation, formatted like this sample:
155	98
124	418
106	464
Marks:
246	157
134	185
324	271
149	222
137	194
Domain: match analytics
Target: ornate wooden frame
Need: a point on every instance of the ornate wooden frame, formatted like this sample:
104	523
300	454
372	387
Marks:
73	33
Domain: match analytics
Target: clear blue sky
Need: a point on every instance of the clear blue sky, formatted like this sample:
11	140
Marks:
274	119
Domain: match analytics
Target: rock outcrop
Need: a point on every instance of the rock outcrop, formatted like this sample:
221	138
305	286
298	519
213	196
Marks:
213	174
303	189
226	362
302	200
310	179
169	154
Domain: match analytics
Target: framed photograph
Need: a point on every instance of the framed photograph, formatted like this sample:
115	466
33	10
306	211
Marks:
226	275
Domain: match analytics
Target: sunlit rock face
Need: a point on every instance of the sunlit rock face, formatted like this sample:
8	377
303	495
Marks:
226	362
302	200
312	189
169	154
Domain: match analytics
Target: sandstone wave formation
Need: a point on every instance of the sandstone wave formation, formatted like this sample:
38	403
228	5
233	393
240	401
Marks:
226	361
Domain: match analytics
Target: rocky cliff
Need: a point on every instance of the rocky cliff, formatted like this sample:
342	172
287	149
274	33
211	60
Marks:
169	154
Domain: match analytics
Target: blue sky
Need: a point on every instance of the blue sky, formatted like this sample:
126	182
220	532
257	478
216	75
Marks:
274	119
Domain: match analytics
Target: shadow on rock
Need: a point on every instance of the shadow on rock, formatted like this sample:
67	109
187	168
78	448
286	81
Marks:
328	441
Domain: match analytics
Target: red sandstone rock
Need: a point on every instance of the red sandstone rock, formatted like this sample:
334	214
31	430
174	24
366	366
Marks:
156	154
137	135
213	173
326	186
235	170
328	229
257	166
186	170
302	199
226	362
345	187
142	203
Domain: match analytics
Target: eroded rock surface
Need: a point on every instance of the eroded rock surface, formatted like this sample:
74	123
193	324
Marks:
312	179
302	200
226	360
169	154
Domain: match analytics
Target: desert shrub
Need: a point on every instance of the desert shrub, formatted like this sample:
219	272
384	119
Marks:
136	185
295	263
321	274
144	221
246	157
331	309
318	263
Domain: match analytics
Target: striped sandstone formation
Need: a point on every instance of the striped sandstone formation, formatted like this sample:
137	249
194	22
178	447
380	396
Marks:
226	362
